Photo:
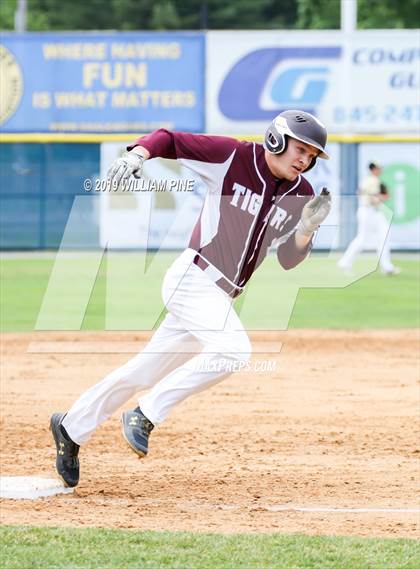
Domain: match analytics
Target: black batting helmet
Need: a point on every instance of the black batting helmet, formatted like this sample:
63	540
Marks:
299	125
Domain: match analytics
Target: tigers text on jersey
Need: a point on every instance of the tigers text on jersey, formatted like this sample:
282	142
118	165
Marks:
246	210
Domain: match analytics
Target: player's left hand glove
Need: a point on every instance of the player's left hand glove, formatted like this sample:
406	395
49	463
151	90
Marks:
129	164
314	213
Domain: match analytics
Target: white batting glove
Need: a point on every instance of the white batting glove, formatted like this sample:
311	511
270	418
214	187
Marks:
130	164
314	213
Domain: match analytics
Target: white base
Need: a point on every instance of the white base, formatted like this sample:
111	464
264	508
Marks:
30	487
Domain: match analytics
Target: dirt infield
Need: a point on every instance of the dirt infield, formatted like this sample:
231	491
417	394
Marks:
335	426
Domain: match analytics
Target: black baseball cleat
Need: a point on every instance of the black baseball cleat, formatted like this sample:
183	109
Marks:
67	463
136	429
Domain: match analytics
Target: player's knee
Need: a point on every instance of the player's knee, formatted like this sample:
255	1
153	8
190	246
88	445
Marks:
230	347
240	348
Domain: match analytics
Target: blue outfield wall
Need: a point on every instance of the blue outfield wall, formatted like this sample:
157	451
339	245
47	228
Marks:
38	184
40	181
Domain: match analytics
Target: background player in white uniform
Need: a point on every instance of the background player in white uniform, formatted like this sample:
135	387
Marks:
371	221
257	198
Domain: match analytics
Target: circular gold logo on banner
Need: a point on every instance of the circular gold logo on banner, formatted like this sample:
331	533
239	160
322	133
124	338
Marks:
11	84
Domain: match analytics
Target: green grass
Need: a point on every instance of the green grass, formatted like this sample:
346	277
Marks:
47	548
314	295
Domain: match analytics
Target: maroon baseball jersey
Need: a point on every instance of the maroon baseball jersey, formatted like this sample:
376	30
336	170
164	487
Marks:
246	210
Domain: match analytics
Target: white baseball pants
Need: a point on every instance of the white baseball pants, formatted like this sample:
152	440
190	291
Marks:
370	220
196	346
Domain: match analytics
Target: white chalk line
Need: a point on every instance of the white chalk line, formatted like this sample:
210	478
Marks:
330	510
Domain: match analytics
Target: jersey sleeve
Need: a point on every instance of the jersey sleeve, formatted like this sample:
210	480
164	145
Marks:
289	256
204	148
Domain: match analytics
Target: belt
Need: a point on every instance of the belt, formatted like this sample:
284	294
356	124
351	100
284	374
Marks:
222	282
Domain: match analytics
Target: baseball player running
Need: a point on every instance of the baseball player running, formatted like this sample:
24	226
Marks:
371	221
257	198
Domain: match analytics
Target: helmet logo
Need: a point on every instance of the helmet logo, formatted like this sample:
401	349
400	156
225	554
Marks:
280	122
